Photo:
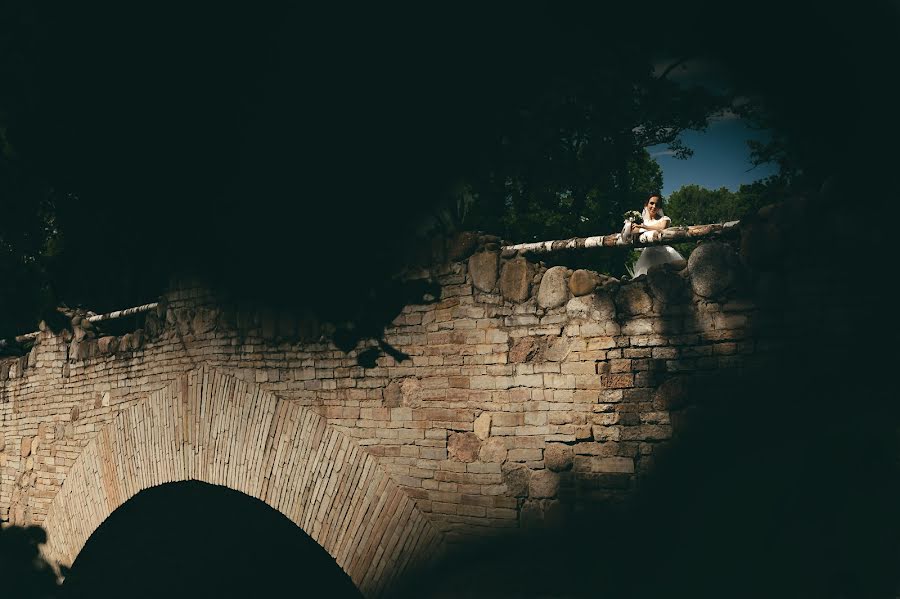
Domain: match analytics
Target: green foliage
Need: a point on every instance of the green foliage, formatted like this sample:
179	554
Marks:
695	205
571	157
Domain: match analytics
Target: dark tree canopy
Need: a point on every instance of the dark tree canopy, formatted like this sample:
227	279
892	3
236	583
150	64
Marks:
693	204
279	150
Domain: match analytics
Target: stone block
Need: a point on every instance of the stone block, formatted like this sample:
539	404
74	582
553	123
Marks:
523	350
108	344
483	270
673	394
493	450
482	426
583	282
714	269
525	455
558	457
633	299
515	280
543	484
515	479
553	291
463	447
558	349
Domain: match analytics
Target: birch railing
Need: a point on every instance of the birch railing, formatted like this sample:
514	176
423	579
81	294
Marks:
92	318
667	237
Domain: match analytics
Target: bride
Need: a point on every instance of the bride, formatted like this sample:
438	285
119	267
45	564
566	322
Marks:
651	229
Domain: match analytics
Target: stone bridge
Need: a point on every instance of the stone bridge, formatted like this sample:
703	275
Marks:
519	392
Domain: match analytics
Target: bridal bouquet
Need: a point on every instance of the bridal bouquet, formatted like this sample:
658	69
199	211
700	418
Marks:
634	217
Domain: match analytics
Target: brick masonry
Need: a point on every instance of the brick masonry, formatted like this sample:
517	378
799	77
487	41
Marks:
517	396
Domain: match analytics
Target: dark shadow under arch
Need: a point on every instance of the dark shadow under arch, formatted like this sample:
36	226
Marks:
193	539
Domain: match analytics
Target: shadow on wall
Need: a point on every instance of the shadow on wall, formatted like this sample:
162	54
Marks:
782	478
369	319
772	488
23	572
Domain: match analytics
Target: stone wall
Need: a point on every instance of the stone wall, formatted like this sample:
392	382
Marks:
519	394
526	389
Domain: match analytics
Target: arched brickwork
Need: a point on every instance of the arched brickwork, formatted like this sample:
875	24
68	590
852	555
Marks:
212	427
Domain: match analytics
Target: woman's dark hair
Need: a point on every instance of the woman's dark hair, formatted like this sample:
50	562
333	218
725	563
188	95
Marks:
654	193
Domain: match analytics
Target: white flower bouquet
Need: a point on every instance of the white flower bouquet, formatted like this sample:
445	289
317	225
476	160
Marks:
633	216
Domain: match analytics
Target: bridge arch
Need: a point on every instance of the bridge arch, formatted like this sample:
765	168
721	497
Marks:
212	427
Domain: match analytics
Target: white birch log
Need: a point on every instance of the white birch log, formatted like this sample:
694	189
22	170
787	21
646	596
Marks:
95	318
667	236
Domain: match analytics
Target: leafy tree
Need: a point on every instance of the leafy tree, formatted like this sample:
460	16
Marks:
696	205
571	157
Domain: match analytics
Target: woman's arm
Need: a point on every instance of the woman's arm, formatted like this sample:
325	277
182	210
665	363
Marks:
657	226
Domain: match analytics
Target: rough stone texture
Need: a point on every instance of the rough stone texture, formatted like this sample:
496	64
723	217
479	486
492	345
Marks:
204	320
493	451
598	306
558	349
583	282
673	394
592	377
543	484
483	270
392	395
667	286
461	245
553	291
713	268
108	345
515	280
26	447
558	457
633	299
463	447
483	426
516	481
523	350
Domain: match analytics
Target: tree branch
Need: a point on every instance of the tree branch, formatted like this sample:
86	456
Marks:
672	66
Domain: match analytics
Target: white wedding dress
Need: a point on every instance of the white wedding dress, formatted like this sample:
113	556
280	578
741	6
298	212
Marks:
656	254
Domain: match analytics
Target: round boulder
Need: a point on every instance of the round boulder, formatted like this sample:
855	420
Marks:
553	291
673	394
558	457
543	484
713	268
583	282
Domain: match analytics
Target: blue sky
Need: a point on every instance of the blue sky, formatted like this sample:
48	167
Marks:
721	157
